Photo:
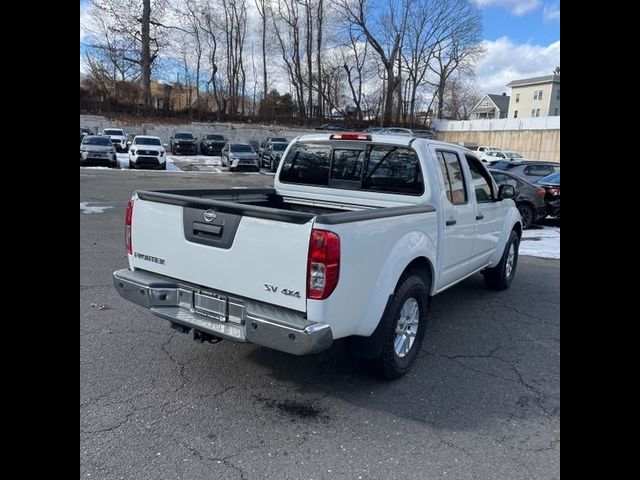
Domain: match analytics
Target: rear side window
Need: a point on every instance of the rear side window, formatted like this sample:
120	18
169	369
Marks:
538	170
307	164
393	169
451	172
502	179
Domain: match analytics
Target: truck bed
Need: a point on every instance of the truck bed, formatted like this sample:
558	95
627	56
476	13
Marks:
266	203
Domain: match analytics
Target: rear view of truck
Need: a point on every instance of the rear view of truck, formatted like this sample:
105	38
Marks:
229	267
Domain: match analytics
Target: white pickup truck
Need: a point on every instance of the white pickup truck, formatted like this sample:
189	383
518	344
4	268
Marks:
360	231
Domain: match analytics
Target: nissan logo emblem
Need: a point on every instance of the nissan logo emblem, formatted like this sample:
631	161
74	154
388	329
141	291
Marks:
209	215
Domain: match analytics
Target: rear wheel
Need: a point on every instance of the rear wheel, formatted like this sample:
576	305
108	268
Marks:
526	212
404	324
501	276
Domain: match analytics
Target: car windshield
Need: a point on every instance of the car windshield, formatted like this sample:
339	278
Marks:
184	136
279	139
554	178
105	141
214	137
241	148
147	141
280	147
512	155
113	131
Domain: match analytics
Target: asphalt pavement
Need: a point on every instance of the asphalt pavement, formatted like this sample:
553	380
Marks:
482	402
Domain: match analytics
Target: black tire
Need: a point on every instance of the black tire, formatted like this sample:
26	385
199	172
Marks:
272	166
164	166
131	165
390	364
527	214
500	277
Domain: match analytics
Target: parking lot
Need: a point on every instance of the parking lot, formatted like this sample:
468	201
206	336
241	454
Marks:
481	403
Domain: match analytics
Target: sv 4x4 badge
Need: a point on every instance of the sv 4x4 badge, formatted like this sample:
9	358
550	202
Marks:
290	293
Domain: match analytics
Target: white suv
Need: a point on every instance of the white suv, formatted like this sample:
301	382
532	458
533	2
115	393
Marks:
118	138
147	151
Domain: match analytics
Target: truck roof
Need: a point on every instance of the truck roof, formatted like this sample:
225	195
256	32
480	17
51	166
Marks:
402	140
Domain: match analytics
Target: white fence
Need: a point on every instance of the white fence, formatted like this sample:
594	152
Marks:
532	123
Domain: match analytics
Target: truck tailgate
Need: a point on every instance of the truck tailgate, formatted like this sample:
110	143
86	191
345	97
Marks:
257	258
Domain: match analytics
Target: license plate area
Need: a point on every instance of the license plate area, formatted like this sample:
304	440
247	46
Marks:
211	305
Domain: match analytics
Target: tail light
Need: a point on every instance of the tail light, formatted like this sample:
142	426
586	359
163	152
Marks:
554	191
542	192
323	268
128	216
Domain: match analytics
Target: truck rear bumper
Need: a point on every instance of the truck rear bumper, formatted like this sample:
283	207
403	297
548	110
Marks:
220	315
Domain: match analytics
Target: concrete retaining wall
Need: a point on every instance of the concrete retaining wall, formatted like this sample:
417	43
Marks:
240	133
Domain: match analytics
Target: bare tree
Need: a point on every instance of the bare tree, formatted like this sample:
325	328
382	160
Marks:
384	37
354	65
460	97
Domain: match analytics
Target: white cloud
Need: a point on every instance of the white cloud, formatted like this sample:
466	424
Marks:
505	61
515	7
551	12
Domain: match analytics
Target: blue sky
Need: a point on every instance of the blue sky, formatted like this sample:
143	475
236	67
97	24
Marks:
521	39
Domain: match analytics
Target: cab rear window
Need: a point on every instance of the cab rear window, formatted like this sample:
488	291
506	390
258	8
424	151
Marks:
356	166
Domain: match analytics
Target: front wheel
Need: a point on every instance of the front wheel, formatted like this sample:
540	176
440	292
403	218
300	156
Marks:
501	276
404	324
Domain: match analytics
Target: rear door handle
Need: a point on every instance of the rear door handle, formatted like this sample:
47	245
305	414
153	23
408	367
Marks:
479	216
450	222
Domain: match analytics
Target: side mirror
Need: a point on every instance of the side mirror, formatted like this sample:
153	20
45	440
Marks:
506	191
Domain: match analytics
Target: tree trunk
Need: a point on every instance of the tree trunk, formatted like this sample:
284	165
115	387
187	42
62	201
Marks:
146	52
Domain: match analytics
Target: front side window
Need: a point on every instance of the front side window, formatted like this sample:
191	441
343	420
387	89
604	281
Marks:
452	176
480	180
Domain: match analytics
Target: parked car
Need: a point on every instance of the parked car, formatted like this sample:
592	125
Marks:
98	150
360	234
529	197
551	184
272	154
420	133
483	148
331	126
118	138
85	131
240	156
212	144
264	145
530	170
497	155
182	142
147	151
373	130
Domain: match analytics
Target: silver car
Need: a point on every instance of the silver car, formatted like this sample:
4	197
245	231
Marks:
98	150
240	156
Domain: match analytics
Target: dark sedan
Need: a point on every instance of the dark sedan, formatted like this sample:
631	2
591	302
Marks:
332	127
98	150
212	144
529	199
551	184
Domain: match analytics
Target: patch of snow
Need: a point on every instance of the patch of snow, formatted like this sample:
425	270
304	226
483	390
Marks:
85	208
541	242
